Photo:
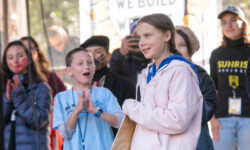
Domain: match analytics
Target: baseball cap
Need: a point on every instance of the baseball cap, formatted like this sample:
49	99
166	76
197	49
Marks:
233	9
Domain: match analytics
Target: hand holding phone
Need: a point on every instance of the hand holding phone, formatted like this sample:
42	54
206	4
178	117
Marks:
129	43
134	40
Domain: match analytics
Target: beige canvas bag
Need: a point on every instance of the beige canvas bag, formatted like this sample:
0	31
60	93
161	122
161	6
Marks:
125	134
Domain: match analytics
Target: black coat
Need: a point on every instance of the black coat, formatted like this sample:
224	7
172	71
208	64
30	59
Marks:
128	66
248	78
119	86
209	105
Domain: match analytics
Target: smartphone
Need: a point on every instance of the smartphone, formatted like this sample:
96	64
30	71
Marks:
135	41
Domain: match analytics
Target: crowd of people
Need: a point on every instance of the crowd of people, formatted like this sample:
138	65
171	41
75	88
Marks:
151	79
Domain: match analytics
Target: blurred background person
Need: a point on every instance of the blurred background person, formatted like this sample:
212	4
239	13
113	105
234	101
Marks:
54	81
128	61
228	63
61	43
187	44
44	65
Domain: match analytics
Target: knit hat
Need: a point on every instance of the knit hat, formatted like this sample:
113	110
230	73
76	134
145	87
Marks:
191	37
133	24
97	41
234	10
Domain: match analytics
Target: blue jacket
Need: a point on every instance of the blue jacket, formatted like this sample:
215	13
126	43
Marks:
209	105
26	133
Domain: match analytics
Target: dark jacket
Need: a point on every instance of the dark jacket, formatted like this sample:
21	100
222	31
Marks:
128	66
26	133
119	86
209	105
248	78
1	112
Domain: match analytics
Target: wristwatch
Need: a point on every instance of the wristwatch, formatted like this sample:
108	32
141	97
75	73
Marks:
100	111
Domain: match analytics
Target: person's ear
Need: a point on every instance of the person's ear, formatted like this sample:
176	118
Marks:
243	26
34	55
167	36
108	57
69	71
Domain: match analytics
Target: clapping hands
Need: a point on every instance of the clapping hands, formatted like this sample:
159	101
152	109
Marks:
85	102
12	85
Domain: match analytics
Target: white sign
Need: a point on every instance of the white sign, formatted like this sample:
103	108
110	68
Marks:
122	12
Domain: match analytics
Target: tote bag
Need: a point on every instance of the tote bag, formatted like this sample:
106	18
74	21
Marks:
125	134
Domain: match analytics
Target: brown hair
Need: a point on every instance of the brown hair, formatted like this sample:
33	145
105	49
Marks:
35	74
163	23
69	56
42	62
